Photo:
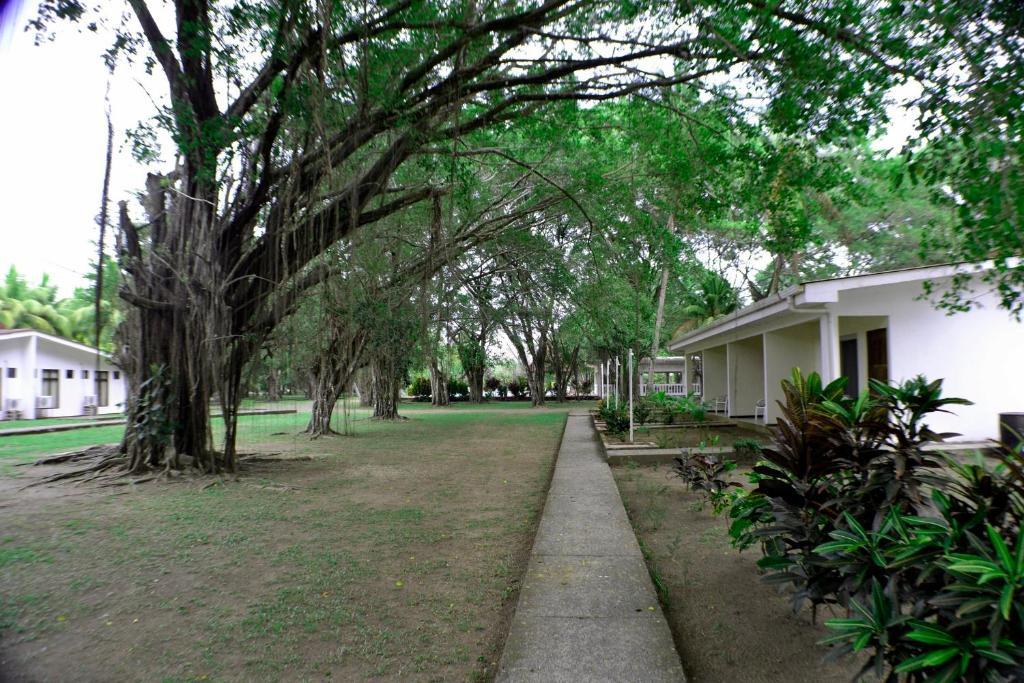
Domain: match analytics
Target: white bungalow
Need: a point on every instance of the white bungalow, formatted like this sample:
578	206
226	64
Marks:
42	375
865	326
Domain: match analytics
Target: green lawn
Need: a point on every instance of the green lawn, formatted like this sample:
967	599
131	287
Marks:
254	430
393	553
42	422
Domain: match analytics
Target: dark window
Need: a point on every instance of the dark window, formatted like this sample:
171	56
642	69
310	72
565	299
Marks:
117	374
51	386
849	366
85	374
102	388
12	373
70	374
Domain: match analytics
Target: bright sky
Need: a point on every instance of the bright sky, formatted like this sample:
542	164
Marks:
53	145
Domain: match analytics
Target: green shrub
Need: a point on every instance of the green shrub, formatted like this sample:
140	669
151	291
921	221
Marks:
617	420
518	388
420	388
921	550
747	447
706	473
457	388
642	412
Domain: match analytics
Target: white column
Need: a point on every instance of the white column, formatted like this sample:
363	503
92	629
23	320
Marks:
828	330
31	379
728	380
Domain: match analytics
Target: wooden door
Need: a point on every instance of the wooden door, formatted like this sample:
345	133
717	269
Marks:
878	354
849	366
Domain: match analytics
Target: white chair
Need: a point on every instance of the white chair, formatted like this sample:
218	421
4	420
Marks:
719	404
759	409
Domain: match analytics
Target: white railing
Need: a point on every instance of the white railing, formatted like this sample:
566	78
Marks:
669	389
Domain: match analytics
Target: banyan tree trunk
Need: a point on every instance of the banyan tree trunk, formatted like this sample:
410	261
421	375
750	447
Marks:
273	386
385	388
561	387
332	374
175	346
475	380
324	400
535	378
438	385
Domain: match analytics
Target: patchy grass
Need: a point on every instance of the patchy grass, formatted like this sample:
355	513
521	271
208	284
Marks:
393	553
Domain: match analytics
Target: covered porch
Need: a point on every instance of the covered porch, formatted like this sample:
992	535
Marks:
741	368
665	373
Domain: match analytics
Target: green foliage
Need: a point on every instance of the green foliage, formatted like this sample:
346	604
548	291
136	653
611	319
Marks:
746	446
922	549
420	388
518	387
457	388
707	473
73	318
616	418
152	425
642	411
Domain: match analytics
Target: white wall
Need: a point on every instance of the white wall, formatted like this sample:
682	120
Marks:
797	346
979	354
715	372
18	353
746	375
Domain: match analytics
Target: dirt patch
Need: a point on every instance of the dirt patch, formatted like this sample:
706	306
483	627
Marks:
728	625
396	554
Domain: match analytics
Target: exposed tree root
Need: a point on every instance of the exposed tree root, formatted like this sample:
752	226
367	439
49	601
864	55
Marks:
107	466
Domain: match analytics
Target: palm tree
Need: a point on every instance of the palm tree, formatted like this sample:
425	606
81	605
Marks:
38	308
711	298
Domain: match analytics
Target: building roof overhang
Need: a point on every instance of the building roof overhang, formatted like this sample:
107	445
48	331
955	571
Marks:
807	300
26	333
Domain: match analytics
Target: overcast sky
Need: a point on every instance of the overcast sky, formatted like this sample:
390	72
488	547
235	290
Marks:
54	137
54	142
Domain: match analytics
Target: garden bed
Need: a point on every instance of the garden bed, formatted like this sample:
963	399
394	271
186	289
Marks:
723	436
728	624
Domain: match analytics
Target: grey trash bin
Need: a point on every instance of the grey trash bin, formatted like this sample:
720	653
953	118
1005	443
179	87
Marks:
1011	429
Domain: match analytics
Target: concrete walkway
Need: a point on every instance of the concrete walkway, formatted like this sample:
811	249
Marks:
587	610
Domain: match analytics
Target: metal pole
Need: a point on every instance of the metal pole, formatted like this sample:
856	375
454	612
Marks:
631	395
616	390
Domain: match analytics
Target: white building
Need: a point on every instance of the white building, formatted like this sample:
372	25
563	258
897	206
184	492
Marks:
46	376
865	326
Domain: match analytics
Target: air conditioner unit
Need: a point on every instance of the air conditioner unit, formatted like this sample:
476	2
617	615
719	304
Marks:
90	402
44	402
12	404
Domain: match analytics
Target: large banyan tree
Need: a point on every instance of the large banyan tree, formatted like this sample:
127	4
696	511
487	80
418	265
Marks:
291	120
